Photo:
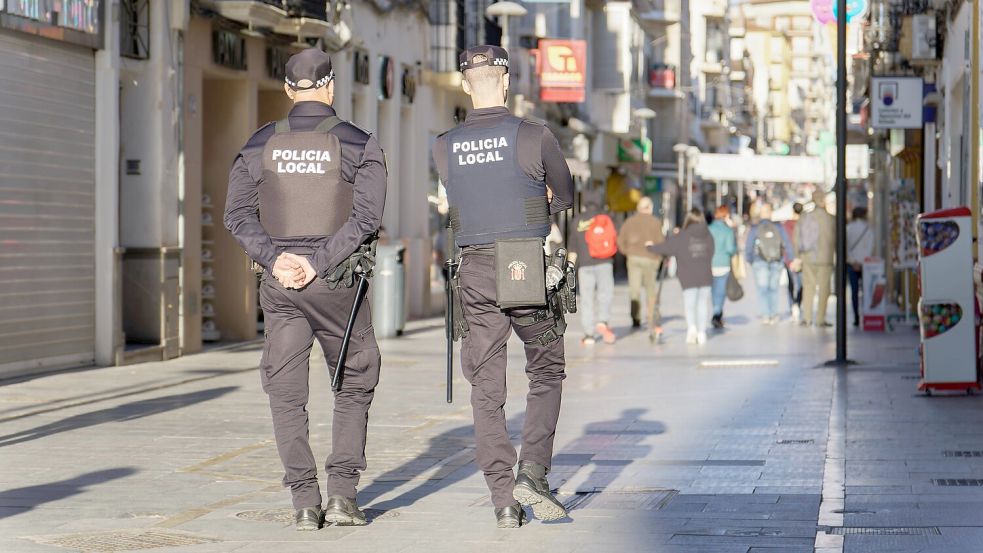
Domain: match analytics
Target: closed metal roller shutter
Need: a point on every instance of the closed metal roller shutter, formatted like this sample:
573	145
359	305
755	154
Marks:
47	206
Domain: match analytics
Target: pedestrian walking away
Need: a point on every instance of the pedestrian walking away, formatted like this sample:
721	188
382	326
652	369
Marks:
643	266
815	242
505	176
724	250
306	195
693	249
766	248
860	246
793	266
593	244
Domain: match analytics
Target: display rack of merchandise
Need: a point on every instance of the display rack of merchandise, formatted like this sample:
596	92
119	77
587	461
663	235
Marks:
947	309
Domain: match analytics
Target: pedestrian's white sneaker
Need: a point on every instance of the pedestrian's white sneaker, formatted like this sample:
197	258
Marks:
691	335
796	313
701	338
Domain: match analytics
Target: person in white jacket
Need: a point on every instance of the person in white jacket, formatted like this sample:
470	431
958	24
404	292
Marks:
860	246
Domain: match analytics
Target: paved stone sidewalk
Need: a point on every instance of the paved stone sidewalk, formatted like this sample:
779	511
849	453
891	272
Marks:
744	445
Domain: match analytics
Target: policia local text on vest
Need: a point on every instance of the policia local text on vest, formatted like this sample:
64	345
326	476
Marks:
499	171
305	197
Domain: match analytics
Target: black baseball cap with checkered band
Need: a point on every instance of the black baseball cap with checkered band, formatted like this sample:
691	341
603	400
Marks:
308	70
480	56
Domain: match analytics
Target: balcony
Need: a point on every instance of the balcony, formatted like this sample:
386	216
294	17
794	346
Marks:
299	18
253	13
655	15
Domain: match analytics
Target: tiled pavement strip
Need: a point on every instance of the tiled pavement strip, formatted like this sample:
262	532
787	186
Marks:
760	453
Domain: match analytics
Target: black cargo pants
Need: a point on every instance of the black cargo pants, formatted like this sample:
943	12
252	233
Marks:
483	358
293	319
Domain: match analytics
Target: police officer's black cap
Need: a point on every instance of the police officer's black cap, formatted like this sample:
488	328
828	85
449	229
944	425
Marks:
308	70
495	56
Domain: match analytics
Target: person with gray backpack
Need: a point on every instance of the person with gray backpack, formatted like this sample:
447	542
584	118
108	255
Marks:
767	244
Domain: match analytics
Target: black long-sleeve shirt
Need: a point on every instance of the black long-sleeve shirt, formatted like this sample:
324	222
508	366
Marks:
539	155
362	163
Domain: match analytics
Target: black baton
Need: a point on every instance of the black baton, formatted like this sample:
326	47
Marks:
363	286
449	321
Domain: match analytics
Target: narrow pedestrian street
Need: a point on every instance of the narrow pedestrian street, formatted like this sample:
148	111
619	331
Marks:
746	444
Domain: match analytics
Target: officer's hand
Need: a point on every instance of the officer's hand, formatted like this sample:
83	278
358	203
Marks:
305	265
287	271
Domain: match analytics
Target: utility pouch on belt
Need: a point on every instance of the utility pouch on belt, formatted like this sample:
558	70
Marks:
520	273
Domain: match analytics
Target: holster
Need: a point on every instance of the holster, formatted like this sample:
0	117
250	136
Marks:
560	300
460	329
362	261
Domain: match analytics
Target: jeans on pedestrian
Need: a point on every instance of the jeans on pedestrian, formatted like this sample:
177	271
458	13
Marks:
855	277
596	283
696	302
719	293
794	287
767	275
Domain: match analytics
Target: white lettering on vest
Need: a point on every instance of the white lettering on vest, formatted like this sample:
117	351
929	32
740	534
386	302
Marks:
301	161
480	149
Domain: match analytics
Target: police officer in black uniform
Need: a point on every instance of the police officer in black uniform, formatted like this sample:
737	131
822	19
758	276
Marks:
504	177
305	194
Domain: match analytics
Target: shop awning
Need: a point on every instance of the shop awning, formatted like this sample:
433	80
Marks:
757	168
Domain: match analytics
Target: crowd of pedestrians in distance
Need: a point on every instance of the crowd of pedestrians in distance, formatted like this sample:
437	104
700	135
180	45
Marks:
713	255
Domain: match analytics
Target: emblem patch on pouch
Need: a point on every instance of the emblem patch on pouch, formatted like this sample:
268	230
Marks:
518	270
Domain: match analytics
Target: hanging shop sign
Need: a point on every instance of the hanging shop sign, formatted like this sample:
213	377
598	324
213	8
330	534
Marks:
562	70
408	84
387	77
276	62
896	102
634	150
361	66
229	50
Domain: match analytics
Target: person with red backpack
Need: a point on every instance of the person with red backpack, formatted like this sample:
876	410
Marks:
593	245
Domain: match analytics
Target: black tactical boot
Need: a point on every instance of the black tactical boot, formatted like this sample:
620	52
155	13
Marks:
512	516
309	519
343	512
636	318
531	488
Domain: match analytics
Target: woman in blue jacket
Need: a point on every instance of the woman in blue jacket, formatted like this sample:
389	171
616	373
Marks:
724	250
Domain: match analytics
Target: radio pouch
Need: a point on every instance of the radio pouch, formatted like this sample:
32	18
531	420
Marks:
520	273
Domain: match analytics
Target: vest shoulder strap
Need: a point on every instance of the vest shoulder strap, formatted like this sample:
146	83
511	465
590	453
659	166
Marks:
328	124
283	125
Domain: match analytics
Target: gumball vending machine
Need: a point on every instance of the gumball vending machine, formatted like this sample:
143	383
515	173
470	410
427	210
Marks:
947	310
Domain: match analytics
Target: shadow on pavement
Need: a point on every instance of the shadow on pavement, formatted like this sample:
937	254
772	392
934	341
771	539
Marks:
120	413
609	447
441	447
21	500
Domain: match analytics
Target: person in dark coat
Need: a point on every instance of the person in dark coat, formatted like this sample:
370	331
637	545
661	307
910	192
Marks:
693	249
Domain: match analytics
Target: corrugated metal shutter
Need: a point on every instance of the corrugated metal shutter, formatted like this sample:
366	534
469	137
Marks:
47	203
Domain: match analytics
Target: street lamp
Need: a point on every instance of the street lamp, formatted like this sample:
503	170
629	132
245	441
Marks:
505	10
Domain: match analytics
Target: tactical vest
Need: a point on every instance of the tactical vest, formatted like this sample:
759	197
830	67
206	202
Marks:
303	193
490	196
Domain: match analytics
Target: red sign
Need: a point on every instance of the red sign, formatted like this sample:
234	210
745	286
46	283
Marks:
562	70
